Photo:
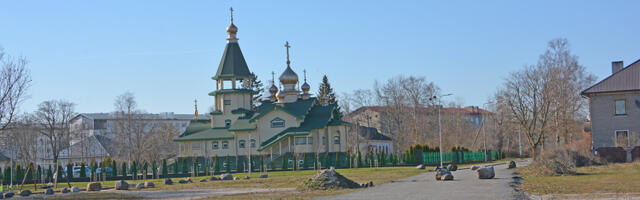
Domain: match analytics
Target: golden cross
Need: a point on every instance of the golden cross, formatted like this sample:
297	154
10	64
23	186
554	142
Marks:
286	44
305	75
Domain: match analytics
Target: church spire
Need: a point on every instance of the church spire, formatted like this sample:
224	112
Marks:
232	29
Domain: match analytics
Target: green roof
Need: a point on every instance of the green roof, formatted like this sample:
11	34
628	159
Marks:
242	125
201	130
232	91
233	64
298	109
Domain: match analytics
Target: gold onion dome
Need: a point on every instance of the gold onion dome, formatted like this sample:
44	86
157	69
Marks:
305	87
232	28
273	90
288	77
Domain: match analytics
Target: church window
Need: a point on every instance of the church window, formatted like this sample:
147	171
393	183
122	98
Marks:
241	143
227	102
214	145
253	143
310	140
336	139
227	123
277	123
324	140
225	144
301	140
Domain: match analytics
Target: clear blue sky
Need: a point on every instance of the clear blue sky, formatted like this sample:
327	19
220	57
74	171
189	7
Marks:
166	52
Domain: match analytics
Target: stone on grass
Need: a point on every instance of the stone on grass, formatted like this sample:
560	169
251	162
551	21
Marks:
264	175
122	185
213	178
9	194
452	167
65	190
247	177
226	176
182	181
25	193
370	184
203	180
75	189
94	187
329	179
149	184
475	167
140	186
189	180
420	166
236	178
512	164
49	191
486	173
168	181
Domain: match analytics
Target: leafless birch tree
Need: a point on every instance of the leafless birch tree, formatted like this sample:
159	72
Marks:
15	79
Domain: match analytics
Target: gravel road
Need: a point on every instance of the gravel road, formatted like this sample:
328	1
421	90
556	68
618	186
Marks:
464	186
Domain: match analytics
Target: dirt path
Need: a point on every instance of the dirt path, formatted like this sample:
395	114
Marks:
464	186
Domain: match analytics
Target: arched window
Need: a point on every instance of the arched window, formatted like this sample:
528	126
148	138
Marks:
253	143
227	123
336	139
277	123
241	143
214	145
225	144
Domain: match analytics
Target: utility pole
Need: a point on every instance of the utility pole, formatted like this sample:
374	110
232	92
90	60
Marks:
434	98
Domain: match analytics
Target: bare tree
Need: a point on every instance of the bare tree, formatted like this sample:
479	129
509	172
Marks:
53	119
15	79
24	135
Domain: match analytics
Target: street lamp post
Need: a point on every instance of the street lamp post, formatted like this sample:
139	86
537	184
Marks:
439	123
484	133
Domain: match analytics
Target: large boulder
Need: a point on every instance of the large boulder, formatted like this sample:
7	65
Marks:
264	175
140	186
329	179
420	166
452	167
94	187
440	173
121	185
511	165
446	177
25	193
213	178
226	176
75	189
9	194
65	190
486	173
49	191
149	184
203	180
236	178
168	181
475	167
182	181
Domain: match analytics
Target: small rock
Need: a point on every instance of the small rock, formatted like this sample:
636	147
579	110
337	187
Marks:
475	167
203	180
370	184
189	180
168	181
94	187
264	175
182	181
25	193
247	177
149	184
49	191
485	173
65	190
213	178
140	186
420	166
8	194
226	176
75	189
236	178
512	164
364	185
440	173
122	185
452	167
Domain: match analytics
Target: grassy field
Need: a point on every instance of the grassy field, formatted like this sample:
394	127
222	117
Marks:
591	182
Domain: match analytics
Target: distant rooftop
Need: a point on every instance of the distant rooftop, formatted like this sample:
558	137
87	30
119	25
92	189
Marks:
162	115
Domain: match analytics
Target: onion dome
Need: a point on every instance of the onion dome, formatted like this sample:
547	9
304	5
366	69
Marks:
232	28
280	95
288	77
305	87
273	90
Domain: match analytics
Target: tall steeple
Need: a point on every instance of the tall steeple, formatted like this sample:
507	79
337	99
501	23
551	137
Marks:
195	104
